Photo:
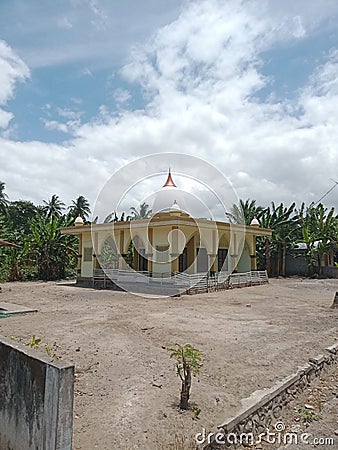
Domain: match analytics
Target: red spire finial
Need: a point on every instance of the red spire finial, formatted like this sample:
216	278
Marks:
169	181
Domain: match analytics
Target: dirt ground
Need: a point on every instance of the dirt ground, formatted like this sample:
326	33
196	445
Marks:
126	388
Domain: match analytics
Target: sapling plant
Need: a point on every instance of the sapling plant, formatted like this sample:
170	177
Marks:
34	343
188	363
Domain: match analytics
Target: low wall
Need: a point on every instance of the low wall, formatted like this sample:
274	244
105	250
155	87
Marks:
263	408
330	271
36	399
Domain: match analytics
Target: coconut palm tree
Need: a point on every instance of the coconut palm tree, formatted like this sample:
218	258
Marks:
142	213
80	206
3	198
244	212
53	207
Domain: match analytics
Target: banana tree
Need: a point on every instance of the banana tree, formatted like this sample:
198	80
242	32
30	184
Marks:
53	252
284	224
319	231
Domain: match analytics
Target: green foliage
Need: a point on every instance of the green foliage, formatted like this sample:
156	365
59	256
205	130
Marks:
314	225
19	216
284	223
53	207
34	342
188	362
3	198
307	416
186	356
319	231
80	207
50	353
42	252
244	212
53	251
196	410
142	213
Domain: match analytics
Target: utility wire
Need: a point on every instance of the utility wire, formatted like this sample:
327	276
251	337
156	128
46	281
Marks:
326	193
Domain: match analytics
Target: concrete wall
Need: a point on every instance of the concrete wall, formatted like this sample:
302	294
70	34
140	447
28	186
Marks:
297	265
330	271
36	400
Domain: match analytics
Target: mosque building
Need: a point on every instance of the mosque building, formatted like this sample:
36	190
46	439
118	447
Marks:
170	241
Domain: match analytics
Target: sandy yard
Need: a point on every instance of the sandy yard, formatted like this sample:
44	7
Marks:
126	388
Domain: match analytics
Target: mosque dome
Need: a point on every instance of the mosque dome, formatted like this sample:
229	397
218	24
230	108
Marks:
255	222
175	206
78	221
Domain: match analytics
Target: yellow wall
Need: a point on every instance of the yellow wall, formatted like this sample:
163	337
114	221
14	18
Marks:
87	266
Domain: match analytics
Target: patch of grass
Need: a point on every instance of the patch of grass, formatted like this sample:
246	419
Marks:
307	416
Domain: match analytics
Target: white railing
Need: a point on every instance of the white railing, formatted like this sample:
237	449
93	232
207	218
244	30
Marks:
199	282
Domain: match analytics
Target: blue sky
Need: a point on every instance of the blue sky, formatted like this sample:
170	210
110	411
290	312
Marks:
89	85
74	50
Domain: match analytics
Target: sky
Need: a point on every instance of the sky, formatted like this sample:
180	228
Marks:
88	86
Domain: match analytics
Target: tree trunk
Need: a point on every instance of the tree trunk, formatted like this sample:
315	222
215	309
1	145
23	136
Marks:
335	301
267	256
319	260
185	392
14	272
279	259
284	259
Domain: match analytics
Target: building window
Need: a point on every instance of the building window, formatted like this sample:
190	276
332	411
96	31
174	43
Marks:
222	261
183	260
142	261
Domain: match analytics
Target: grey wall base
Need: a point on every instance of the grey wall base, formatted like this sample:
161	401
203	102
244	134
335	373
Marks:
36	400
89	282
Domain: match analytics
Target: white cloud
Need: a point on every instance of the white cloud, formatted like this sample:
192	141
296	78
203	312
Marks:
64	23
87	72
201	74
5	118
69	114
121	96
12	70
299	28
55	125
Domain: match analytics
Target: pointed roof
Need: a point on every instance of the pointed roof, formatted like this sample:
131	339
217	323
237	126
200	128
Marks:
169	181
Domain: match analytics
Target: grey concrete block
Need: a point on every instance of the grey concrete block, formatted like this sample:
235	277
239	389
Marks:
36	399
